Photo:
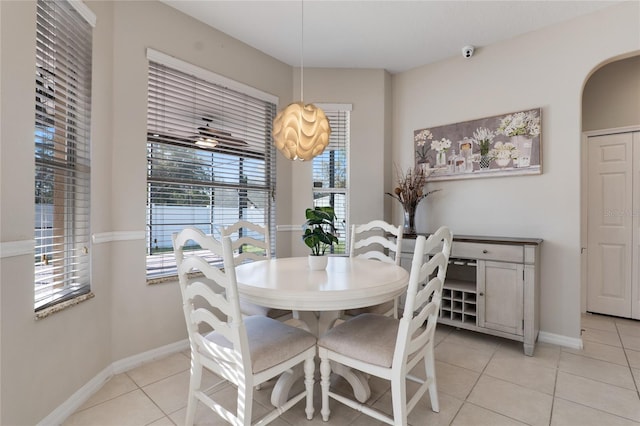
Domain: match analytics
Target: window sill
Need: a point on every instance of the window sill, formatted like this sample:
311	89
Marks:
172	278
160	280
63	305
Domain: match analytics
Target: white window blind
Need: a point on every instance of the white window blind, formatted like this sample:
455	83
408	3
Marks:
62	131
330	173
210	161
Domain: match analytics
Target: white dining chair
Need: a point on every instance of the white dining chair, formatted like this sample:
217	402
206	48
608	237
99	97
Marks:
245	351
372	241
389	348
250	242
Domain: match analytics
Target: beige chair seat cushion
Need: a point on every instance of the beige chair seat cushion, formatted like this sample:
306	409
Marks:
368	337
381	309
270	341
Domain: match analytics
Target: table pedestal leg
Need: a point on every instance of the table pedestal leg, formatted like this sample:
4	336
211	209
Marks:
319	323
280	393
357	379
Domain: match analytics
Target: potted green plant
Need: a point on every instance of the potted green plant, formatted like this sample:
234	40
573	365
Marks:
319	234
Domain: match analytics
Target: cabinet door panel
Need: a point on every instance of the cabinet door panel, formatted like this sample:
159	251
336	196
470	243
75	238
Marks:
500	296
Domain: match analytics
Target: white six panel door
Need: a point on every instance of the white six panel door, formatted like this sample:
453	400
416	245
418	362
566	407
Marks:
609	227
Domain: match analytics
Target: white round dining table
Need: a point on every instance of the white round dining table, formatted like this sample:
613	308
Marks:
318	297
346	283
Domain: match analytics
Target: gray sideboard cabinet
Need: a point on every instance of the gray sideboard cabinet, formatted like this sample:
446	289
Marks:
492	286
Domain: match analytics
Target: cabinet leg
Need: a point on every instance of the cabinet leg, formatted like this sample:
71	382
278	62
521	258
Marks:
528	349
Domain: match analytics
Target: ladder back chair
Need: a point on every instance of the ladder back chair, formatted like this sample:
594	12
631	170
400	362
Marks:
370	241
244	351
389	348
250	242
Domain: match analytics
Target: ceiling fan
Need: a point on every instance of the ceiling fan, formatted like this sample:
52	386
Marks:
209	137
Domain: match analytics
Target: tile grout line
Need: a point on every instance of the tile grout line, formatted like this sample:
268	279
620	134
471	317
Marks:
555	387
482	373
106	400
600	381
585	355
624	350
598	409
152	400
159	408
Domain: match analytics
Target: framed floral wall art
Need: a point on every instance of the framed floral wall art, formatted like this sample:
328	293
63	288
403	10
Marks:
502	145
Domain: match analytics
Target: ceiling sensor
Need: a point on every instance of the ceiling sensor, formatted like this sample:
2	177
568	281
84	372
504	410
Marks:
467	51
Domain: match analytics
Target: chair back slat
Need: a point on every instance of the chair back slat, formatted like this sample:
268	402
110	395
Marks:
213	293
375	254
199	290
424	295
246	237
369	241
205	316
420	334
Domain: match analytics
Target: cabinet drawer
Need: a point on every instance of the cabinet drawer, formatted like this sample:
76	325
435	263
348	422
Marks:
499	252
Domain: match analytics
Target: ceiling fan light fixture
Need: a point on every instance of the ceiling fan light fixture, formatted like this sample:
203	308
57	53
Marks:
206	142
301	132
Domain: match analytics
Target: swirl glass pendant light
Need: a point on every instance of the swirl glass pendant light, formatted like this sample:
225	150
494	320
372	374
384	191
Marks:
301	131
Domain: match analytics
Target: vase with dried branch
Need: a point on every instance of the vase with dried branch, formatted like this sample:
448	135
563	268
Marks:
410	191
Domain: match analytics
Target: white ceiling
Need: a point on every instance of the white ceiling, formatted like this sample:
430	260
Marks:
394	35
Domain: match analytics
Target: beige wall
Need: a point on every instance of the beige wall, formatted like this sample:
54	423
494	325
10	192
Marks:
612	96
43	363
544	69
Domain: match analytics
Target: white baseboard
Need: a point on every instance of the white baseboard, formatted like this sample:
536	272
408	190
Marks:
145	357
71	405
560	340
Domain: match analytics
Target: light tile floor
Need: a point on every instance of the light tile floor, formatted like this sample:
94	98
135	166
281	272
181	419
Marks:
482	380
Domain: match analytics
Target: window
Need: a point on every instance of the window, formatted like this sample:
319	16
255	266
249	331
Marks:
62	170
210	156
330	172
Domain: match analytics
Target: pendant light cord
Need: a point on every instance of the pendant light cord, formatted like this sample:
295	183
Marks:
302	52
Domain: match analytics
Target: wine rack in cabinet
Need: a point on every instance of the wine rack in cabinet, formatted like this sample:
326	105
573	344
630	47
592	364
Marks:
459	297
492	286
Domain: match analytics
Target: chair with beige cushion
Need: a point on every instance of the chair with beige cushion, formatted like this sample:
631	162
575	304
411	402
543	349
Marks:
245	351
389	348
371	241
250	242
